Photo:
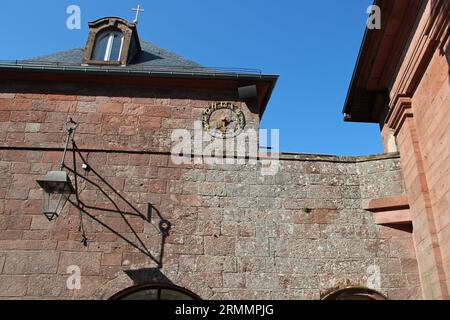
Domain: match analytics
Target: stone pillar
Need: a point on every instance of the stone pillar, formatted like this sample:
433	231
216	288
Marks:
428	249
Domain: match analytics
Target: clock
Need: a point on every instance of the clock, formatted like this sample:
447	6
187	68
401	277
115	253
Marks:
223	120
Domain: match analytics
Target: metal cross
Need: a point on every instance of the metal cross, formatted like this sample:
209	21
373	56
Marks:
138	10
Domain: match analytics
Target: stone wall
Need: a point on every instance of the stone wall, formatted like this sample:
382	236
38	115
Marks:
431	125
235	233
420	122
111	118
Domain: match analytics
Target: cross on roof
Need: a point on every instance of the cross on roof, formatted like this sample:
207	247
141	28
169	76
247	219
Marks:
138	10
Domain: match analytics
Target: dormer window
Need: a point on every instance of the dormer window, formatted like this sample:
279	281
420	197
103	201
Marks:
112	41
108	46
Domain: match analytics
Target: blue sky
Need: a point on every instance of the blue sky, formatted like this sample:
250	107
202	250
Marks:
312	45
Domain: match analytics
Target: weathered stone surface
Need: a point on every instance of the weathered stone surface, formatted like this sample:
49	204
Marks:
112	107
220	246
253	247
216	264
234	280
111	259
2	262
89	286
260	281
31	262
13	286
235	233
89	262
49	286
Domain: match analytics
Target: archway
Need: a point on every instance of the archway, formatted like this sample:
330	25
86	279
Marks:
155	292
355	293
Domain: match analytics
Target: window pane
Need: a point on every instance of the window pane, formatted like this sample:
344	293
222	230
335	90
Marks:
100	48
157	294
115	48
150	294
174	295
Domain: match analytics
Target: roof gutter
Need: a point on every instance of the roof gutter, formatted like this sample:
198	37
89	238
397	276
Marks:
269	80
346	110
131	72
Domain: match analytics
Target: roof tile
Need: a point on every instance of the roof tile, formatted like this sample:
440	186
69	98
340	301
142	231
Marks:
151	57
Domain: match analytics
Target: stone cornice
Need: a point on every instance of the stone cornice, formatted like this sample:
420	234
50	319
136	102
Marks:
388	204
439	28
390	211
56	147
400	110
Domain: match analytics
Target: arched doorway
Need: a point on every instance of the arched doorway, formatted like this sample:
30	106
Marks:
155	292
355	293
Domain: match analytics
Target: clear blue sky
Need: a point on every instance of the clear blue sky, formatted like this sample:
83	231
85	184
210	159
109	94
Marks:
312	45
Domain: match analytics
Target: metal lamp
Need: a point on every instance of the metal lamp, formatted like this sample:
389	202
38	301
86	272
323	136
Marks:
56	184
57	190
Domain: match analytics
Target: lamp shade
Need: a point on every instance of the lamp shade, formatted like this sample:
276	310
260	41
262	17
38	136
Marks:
57	189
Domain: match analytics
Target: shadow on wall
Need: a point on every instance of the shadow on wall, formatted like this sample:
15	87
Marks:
145	57
110	193
440	10
446	52
147	275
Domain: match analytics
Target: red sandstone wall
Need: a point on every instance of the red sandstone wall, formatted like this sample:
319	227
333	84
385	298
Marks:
431	107
236	234
125	118
420	119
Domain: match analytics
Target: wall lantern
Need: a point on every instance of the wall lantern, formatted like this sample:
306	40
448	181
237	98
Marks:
56	184
57	190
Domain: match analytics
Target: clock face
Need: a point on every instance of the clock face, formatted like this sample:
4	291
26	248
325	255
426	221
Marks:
223	120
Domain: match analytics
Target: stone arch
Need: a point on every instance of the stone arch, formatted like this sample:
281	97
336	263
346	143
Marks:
355	293
145	276
158	291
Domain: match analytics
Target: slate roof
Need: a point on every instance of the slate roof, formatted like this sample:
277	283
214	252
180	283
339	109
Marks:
152	61
151	57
